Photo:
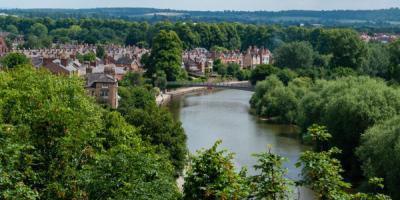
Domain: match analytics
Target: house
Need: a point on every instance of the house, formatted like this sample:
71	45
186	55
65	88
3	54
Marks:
103	86
228	57
60	66
197	61
255	56
3	47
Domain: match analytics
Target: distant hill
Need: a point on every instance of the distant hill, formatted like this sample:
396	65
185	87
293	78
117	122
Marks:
384	17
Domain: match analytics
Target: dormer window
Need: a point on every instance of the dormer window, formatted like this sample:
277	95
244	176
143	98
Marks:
104	85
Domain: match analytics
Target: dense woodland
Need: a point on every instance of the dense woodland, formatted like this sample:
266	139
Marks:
57	143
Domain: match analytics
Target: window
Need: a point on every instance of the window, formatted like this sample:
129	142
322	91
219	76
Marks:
104	85
104	93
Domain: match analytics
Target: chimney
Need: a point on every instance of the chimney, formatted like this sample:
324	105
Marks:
89	70
110	70
47	61
64	61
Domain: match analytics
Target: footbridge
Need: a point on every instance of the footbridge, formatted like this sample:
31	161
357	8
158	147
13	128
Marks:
235	85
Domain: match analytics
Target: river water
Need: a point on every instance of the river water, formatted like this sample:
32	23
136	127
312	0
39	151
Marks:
212	115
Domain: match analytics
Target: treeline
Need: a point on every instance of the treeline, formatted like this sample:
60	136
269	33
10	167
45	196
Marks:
323	48
348	18
41	32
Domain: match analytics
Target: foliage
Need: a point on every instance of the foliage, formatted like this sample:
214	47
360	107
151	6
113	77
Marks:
100	52
233	69
135	98
271	182
346	47
261	72
166	56
347	107
127	168
13	60
243	75
378	61
155	125
277	102
319	135
219	67
394	50
294	55
321	173
56	143
211	175
132	79
88	57
379	152
286	75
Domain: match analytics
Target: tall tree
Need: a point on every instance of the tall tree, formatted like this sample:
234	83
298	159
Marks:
166	55
211	175
271	183
13	60
346	47
379	152
294	55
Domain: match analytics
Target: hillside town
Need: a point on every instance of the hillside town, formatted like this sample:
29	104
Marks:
102	74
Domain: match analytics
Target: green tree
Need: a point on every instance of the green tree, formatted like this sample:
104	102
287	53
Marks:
219	67
233	69
135	98
377	62
243	75
278	104
126	168
38	30
100	52
346	48
56	143
347	107
166	55
294	55
379	152
211	175
394	50
13	60
132	79
189	38
286	75
261	72
155	125
322	173
59	124
271	183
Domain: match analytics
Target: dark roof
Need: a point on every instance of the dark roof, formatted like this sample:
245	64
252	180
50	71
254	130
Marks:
99	78
125	60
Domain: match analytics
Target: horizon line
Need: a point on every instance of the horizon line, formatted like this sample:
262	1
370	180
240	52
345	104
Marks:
193	10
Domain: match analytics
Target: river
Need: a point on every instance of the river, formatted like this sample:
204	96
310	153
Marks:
212	115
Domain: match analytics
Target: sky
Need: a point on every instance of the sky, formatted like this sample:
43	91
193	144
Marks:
246	5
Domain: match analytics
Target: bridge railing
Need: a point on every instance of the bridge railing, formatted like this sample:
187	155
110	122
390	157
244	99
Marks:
236	85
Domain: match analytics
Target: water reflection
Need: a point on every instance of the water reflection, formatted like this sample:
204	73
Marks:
209	116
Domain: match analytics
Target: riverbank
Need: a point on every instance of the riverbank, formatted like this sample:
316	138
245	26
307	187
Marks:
165	98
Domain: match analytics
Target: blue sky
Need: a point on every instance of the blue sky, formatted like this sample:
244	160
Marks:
250	5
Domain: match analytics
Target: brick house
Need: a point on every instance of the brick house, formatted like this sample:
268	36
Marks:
103	86
255	56
3	47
